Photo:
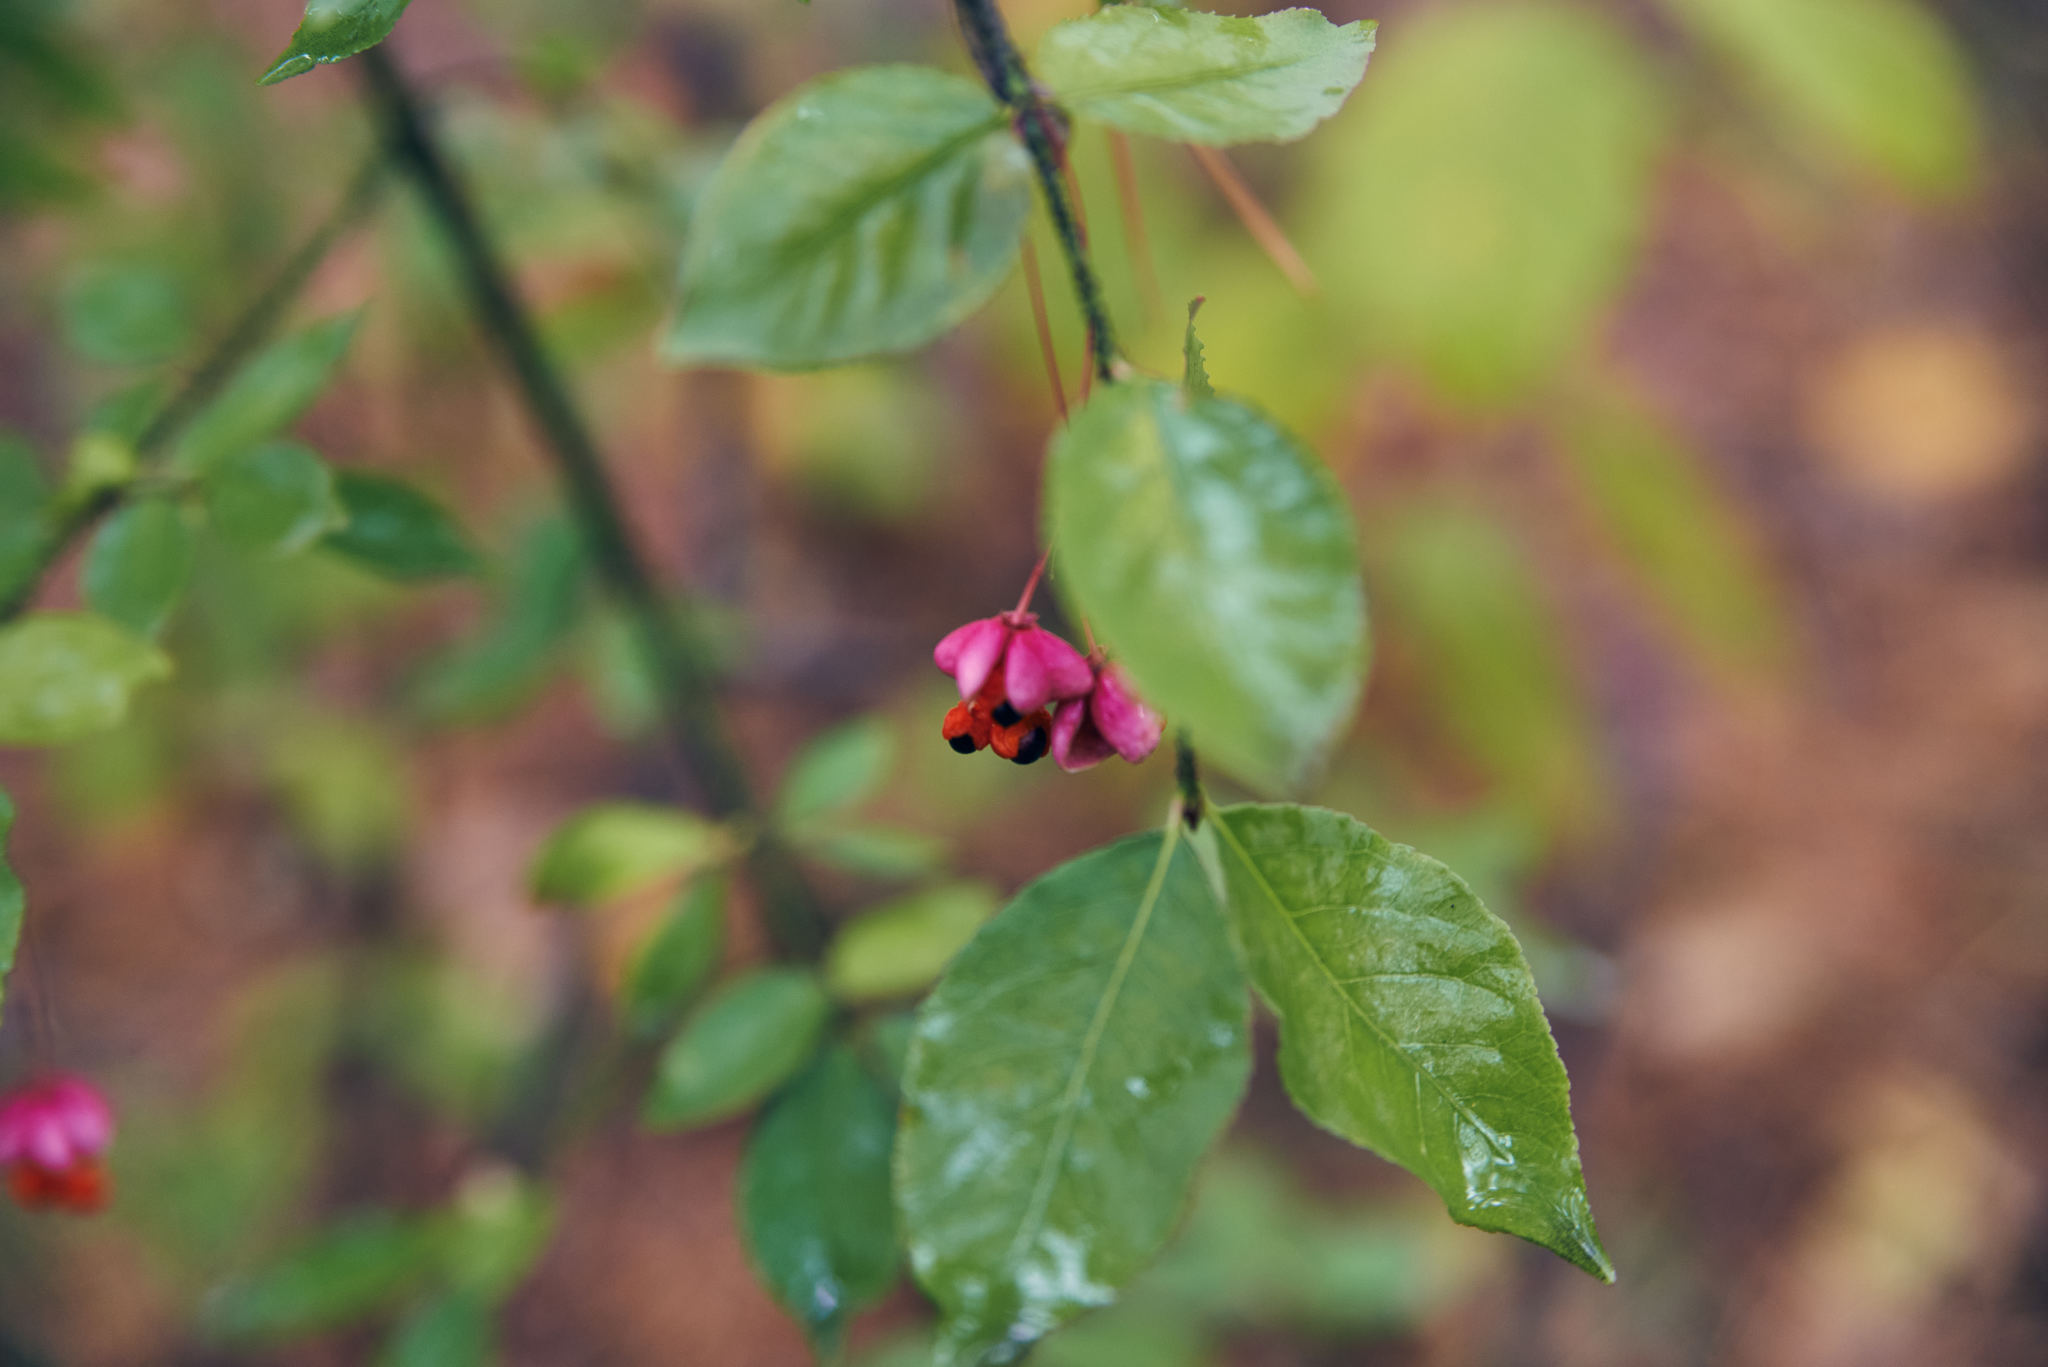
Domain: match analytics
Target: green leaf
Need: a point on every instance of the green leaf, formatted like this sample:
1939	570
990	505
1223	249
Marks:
137	565
332	30
99	462
867	213
677	960
497	1230
512	656
1194	369
64	676
1210	78
750	1037
814	1195
356	1267
1066	1077
876	851
397	531
840	769
899	948
1686	538
1216	558
885	1045
13	898
1464	603
273	499
24	516
1511	152
454	1330
130	313
1409	1023
615	848
1883	81
267	395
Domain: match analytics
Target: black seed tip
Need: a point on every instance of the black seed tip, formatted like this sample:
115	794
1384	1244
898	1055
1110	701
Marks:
1032	748
1005	715
962	743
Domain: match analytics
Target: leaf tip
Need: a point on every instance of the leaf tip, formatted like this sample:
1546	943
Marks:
287	66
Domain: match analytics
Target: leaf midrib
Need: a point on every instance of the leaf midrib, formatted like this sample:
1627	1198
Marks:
1069	1106
841	221
1392	1044
1206	76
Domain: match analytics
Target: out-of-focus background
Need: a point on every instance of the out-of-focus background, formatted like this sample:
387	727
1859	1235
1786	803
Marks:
1682	359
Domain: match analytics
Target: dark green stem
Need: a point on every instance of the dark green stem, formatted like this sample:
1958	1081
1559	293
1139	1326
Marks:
248	333
679	661
1039	125
1187	773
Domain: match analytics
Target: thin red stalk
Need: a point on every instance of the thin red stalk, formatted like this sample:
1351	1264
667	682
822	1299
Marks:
1260	224
1031	584
1135	238
1036	288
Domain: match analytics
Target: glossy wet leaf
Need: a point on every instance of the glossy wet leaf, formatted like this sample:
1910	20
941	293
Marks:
64	676
840	769
615	848
356	1267
749	1038
900	947
1218	79
1215	556
865	214
451	1330
395	530
1483	207
677	959
1409	1023
273	499
24	515
332	30
814	1195
1065	1079
1884	82
267	395
13	899
137	565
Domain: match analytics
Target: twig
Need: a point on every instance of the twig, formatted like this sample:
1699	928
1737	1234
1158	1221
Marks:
1188	775
681	664
248	333
996	57
1002	67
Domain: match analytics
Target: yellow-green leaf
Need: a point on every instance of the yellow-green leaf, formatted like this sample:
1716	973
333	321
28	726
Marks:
64	676
1883	82
865	214
900	947
615	848
1189	76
